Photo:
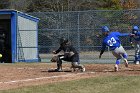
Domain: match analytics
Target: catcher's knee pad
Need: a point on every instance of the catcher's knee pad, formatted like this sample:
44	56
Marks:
74	64
77	65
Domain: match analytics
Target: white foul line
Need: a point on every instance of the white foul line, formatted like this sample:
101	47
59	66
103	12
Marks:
25	80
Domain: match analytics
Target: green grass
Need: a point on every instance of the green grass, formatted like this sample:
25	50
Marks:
108	84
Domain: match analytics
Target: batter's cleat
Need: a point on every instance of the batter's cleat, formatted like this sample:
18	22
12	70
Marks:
126	62
58	70
137	62
116	68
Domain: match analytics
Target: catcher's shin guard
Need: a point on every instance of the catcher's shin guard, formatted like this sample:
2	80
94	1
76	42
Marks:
59	64
137	59
58	61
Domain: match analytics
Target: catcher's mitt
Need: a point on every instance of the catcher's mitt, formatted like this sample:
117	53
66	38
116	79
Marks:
54	59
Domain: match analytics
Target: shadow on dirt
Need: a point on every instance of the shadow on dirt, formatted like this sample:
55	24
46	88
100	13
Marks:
53	70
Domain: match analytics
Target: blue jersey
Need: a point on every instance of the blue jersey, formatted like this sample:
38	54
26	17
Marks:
112	40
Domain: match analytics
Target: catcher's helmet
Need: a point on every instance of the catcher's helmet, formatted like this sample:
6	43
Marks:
63	40
105	29
135	29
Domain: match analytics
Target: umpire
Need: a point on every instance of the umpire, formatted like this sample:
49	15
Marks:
70	55
2	43
136	40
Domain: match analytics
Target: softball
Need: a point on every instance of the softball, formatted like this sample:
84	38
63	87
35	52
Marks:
0	55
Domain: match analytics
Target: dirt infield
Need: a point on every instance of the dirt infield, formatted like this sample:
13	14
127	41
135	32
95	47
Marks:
28	74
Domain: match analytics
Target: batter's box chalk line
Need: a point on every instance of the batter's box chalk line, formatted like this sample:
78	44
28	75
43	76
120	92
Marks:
41	78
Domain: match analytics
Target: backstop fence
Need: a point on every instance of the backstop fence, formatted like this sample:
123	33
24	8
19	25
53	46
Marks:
83	29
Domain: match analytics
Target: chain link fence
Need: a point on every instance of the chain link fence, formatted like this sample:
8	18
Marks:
83	29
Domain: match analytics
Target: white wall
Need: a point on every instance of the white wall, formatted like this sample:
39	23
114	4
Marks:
28	33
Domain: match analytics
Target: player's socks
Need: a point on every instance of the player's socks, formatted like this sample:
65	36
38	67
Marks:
116	68
126	62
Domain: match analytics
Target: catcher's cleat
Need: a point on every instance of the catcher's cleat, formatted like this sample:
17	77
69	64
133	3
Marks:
126	62
55	70
58	70
116	68
83	69
73	69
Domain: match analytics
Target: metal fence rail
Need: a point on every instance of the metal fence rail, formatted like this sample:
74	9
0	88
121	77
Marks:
83	29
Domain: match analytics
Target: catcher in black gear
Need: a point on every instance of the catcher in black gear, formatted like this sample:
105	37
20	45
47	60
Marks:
70	55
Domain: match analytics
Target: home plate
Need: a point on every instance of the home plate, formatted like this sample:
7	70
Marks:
63	70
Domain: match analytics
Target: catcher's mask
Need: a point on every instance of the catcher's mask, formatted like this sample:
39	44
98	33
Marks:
63	41
135	29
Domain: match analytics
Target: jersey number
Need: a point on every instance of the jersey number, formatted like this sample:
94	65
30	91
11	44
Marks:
111	41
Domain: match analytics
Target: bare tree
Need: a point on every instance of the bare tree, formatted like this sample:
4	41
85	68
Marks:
4	4
67	5
20	5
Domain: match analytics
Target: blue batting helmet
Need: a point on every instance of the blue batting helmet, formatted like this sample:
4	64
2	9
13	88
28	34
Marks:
135	28
105	29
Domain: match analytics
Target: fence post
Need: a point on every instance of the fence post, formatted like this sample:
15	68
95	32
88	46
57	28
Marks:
78	34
